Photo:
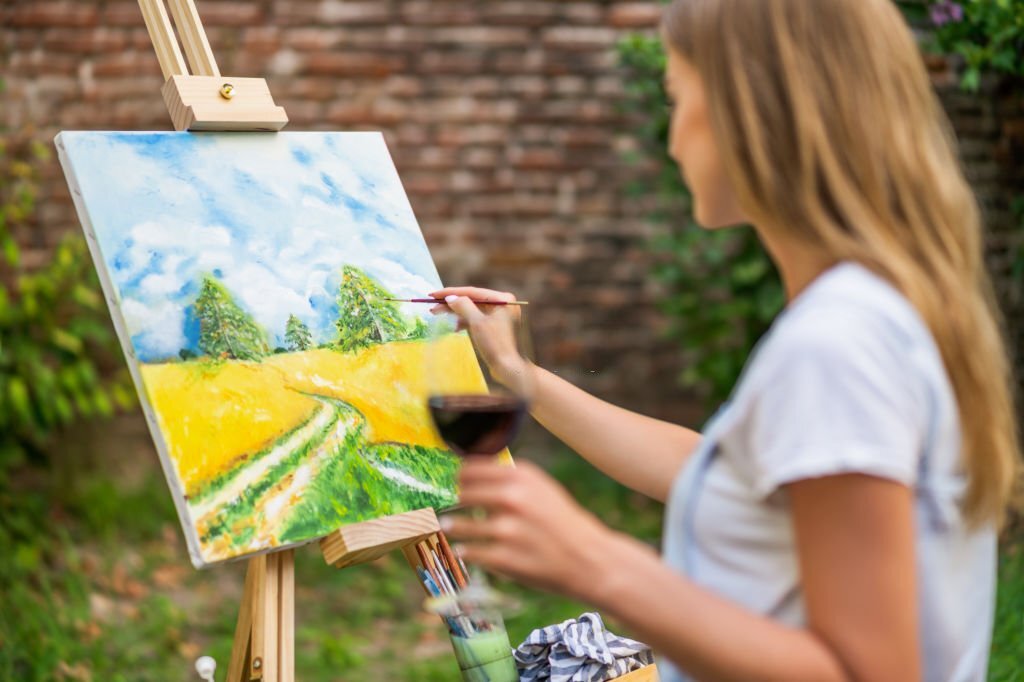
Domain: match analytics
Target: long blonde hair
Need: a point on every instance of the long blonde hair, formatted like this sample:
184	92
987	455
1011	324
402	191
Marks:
829	127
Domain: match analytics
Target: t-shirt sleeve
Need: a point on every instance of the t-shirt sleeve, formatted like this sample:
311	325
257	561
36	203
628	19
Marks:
835	398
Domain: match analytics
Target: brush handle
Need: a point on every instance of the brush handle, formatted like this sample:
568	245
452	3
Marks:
441	300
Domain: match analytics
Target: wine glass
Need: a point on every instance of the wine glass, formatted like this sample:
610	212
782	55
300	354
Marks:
478	381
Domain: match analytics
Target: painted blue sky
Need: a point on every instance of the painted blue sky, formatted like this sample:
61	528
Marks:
273	216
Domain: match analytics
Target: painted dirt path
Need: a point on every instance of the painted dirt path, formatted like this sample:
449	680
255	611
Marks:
255	471
271	508
323	436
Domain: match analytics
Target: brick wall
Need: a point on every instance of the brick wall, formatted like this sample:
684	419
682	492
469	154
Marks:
505	120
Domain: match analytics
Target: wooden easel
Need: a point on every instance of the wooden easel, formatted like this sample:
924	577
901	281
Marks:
204	100
264	642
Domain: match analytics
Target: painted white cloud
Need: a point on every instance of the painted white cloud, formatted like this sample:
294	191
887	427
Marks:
277	230
158	326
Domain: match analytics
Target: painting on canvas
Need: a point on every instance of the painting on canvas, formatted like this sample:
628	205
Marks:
246	274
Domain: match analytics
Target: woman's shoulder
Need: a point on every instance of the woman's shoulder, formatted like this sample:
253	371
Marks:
849	309
849	325
847	380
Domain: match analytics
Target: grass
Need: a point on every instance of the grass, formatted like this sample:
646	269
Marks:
436	466
95	584
1006	662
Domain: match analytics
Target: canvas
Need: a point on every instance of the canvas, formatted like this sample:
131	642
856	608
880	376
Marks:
246	274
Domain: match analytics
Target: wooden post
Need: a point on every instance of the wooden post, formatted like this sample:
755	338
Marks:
204	99
264	642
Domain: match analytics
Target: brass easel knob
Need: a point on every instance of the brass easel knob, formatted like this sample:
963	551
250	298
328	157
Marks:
227	91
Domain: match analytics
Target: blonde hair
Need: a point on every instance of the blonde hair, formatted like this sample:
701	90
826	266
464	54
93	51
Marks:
829	128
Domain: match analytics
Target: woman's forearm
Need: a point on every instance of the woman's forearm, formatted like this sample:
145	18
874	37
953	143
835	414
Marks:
640	452
708	637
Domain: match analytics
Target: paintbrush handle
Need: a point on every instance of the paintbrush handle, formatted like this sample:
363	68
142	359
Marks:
441	300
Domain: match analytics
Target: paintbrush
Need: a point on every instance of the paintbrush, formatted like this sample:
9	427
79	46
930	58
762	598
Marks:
441	300
449	556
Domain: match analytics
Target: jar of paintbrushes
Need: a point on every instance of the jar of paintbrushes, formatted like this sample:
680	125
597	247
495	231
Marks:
472	612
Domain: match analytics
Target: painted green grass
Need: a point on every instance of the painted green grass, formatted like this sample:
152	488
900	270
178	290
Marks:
436	466
350	489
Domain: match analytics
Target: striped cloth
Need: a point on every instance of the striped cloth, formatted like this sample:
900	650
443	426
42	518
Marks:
579	650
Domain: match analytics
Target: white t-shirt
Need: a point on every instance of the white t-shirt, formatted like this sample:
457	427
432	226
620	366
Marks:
848	380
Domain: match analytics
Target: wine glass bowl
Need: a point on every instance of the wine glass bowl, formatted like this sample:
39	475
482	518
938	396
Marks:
478	410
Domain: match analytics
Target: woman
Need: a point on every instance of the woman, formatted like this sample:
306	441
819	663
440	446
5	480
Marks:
836	518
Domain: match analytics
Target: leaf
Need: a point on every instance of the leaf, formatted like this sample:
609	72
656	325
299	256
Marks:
66	341
971	79
18	399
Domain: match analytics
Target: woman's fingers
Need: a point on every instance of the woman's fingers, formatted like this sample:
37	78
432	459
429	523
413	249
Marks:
499	496
464	308
478	468
466	528
476	293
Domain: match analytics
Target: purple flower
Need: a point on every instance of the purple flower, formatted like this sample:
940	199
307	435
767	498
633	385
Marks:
946	11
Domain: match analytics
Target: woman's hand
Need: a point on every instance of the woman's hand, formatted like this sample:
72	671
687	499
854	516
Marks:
491	327
534	532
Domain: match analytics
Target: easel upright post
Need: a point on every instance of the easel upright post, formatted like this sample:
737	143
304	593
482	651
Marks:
204	100
264	641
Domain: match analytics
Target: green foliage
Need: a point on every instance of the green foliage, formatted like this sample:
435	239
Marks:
364	316
59	359
297	335
225	330
722	291
1008	638
987	34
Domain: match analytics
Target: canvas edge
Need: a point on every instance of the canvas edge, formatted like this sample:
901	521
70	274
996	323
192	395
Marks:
110	296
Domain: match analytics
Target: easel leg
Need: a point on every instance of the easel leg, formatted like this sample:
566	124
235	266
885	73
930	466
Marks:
264	636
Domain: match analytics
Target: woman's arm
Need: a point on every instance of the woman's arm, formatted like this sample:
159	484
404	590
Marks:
855	542
640	452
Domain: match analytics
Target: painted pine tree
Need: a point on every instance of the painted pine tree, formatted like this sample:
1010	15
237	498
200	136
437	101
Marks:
297	335
225	330
364	316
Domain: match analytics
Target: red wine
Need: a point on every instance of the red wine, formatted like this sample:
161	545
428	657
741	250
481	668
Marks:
477	424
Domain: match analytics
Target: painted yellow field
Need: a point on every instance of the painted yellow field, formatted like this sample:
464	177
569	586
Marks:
387	383
214	416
